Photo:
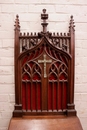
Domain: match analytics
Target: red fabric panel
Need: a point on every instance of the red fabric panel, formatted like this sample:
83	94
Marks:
36	77
23	96
65	96
52	77
26	77
60	96
29	95
50	96
36	92
34	96
39	96
55	96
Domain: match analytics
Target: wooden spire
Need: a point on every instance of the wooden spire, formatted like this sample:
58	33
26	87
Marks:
44	17
71	27
17	24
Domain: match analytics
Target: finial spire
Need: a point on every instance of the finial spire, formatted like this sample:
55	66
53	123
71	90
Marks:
17	26
71	27
44	16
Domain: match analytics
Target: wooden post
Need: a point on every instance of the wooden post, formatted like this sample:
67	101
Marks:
70	105
18	106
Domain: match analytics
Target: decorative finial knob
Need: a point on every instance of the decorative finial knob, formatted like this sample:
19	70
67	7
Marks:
44	16
44	11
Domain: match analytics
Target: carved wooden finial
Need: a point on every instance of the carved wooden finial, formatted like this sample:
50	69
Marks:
44	17
17	26
71	27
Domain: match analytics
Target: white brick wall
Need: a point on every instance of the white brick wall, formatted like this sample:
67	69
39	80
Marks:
59	16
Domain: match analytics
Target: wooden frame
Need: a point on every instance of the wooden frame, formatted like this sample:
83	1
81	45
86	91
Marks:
63	43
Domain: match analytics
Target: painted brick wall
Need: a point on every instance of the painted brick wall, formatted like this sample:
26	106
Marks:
59	16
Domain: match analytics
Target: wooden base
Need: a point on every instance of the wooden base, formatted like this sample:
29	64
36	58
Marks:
45	123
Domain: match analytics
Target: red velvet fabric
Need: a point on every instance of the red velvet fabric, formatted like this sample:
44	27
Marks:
31	87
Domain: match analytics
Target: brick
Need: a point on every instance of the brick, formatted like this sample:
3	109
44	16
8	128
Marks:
53	2
81	27
78	52
8	43
3	98
7	107
0	115
7	89
58	17
78	61
81	18
7	34
84	122
84	52
78	43
21	8
7	8
78	78
84	44
81	35
4	122
29	17
7	26
81	97
0	43
84	61
81	88
6	61
6	1
6	17
79	69
34	27
4	128
4	106
1	107
84	77
27	1
37	9
6	52
12	98
11	106
84	70
61	27
65	2
82	112
0	8
24	25
68	9
5	70
6	114
6	79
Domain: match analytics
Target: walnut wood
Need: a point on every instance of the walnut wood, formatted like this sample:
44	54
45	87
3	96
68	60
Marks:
45	123
59	46
60	49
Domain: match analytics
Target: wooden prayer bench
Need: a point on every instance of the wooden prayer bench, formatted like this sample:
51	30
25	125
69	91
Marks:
44	80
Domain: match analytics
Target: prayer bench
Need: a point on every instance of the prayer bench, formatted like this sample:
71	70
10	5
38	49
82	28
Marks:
44	80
